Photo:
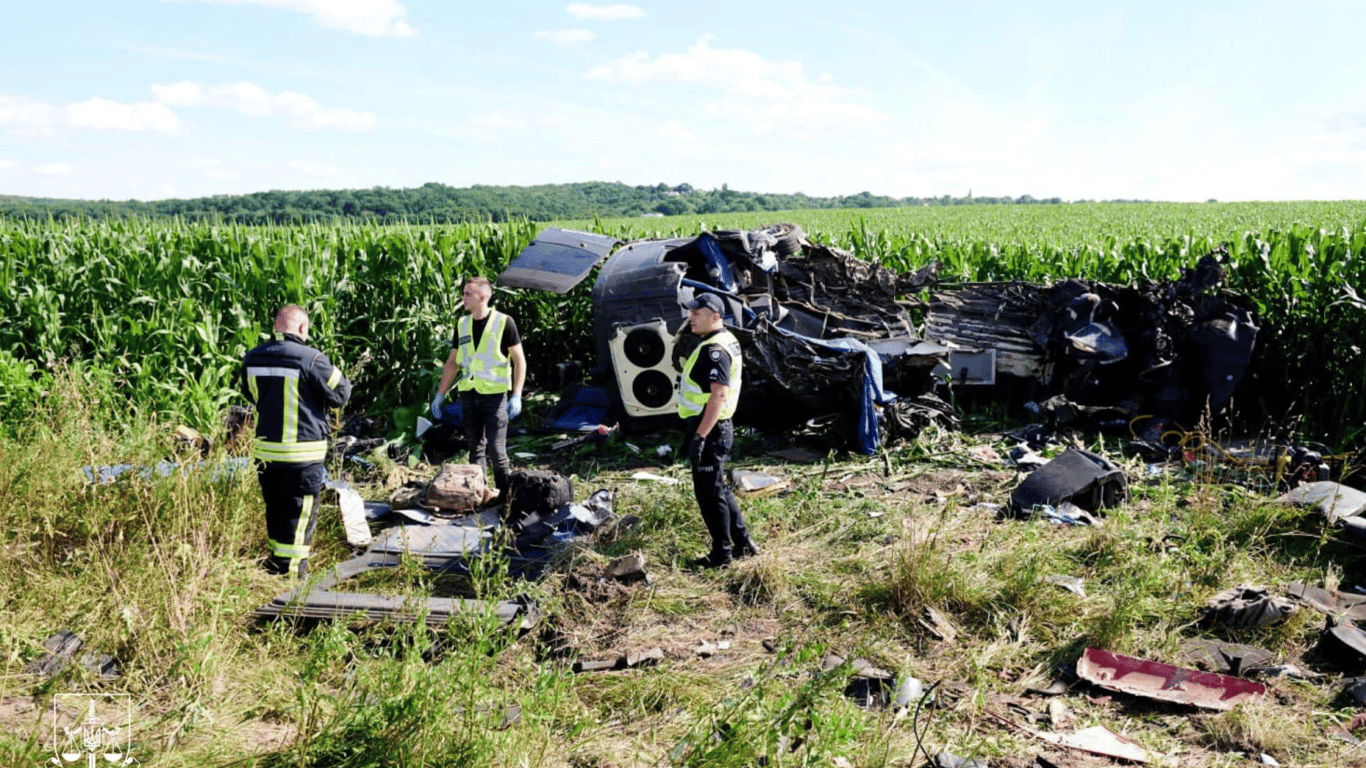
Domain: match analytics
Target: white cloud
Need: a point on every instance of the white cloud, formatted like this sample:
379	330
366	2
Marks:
790	99
30	116
105	115
5	165
496	120
313	169
25	115
55	169
223	175
377	18
566	37
674	132
615	12
255	101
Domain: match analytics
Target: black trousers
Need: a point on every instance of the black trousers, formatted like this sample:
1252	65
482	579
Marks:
486	429
290	492
720	510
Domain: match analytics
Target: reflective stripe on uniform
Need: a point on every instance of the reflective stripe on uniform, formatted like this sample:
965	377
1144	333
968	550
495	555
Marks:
290	452
292	551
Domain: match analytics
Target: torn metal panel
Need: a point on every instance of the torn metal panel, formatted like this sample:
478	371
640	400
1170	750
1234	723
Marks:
1340	606
1168	349
1334	501
1247	606
1226	658
994	316
557	260
1164	682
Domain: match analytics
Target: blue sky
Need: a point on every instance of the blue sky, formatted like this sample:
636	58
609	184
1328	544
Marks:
149	99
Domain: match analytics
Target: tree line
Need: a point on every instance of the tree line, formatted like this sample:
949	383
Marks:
439	203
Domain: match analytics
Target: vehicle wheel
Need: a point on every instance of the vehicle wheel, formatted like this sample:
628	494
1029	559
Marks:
788	238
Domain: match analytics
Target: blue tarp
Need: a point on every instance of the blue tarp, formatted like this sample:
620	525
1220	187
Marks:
221	470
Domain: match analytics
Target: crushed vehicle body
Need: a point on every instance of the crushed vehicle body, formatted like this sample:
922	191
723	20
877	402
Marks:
1090	353
821	331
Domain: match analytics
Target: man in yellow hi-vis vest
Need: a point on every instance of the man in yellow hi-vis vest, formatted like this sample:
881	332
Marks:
488	367
708	392
293	386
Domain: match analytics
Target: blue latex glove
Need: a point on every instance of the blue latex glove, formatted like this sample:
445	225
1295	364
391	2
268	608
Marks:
437	402
514	406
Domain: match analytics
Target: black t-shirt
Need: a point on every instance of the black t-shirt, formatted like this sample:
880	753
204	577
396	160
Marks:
712	366
510	336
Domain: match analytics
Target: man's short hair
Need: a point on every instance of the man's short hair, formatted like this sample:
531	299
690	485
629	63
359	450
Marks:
482	282
290	316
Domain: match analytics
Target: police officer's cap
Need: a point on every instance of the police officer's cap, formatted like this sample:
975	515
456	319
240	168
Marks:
709	301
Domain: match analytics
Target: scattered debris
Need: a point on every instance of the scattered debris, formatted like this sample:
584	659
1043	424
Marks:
1226	658
61	653
1343	645
1164	682
1338	606
628	568
1334	501
1098	740
653	478
1247	606
354	518
222	470
1069	583
750	483
1087	480
938	625
632	660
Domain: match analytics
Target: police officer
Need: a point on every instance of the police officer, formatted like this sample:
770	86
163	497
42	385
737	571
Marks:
708	392
486	354
292	386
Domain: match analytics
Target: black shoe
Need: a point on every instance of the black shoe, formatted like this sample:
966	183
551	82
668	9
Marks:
713	561
748	549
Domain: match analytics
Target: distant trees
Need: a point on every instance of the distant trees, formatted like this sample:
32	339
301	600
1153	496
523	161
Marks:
436	202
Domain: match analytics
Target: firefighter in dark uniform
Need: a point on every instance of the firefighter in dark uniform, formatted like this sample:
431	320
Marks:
488	368
708	392
292	386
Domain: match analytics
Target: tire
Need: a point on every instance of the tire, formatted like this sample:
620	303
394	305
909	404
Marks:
789	238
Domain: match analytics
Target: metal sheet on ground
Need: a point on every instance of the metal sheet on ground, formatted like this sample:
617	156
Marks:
1164	682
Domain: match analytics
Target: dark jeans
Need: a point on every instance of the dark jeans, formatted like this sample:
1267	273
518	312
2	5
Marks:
291	493
486	428
720	510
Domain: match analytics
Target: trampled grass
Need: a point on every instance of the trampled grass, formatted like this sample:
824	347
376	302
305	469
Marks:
162	575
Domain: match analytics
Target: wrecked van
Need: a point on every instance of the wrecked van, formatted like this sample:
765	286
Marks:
822	332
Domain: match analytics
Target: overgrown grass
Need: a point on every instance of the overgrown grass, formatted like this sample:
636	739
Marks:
162	574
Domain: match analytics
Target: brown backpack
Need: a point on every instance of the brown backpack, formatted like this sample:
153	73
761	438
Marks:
458	489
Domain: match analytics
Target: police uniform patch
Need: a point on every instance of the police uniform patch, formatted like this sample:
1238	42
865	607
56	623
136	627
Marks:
716	354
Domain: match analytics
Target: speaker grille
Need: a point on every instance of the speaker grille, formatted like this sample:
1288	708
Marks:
643	347
653	389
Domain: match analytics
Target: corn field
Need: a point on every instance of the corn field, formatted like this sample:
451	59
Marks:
166	309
